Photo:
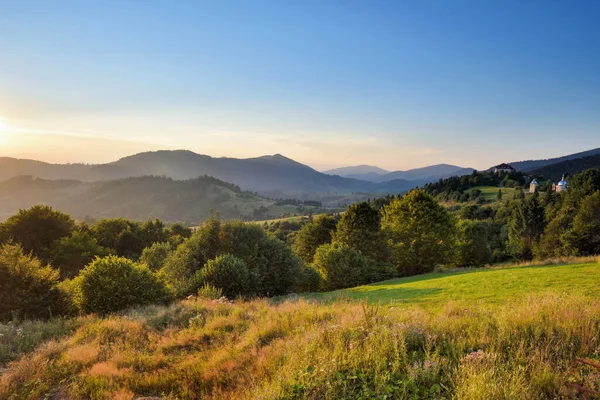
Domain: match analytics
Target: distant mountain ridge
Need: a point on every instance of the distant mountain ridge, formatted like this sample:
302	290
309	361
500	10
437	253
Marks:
554	172
379	175
530	165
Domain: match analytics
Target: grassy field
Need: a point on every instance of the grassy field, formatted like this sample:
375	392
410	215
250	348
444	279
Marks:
492	286
491	192
507	333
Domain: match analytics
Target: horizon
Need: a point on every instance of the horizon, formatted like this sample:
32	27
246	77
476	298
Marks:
328	84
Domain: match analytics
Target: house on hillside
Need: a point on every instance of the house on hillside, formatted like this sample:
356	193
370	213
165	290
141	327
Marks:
533	186
560	186
503	168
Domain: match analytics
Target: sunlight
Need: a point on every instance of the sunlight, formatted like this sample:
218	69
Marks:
3	131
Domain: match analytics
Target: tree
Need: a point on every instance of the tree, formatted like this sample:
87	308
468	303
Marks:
121	235
342	266
526	225
499	195
70	254
154	256
112	283
422	234
360	228
312	235
153	232
585	235
28	289
553	242
231	275
473	243
37	228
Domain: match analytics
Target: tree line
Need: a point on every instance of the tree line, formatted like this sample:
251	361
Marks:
50	264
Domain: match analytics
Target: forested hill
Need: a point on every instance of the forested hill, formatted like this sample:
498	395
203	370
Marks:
530	165
138	198
554	172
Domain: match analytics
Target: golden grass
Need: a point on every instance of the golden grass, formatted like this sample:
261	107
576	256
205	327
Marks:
306	350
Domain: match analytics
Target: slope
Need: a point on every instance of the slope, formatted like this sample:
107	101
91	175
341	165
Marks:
555	171
529	165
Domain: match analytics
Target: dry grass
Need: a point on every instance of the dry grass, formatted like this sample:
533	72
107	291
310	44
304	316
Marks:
296	349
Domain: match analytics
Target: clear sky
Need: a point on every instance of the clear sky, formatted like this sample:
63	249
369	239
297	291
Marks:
398	84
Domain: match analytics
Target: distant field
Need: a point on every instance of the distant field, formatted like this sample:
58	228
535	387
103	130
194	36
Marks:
493	286
491	192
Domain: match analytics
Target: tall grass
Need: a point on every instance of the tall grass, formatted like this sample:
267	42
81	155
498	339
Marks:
299	350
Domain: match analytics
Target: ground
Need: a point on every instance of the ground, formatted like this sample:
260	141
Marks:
499	333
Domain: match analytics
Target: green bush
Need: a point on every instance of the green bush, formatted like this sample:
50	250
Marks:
313	235
28	289
277	269
154	256
114	283
341	267
71	254
231	275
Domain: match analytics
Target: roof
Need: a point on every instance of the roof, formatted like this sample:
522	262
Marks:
503	166
535	182
563	183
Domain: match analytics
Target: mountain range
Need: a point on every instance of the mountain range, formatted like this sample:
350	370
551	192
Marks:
375	174
530	165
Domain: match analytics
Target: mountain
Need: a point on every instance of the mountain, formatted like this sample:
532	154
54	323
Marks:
555	171
363	172
530	165
273	176
141	198
430	173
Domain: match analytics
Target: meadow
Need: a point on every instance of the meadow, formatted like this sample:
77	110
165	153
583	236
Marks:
500	333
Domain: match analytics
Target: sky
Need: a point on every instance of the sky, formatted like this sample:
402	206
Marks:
398	84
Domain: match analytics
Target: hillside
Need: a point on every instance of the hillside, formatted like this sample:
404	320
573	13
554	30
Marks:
530	165
141	198
364	172
417	175
273	176
490	333
554	172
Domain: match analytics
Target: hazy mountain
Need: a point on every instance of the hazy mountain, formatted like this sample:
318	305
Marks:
430	173
139	198
267	174
529	165
555	171
363	172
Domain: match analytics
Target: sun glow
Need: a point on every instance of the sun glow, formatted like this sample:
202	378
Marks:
3	131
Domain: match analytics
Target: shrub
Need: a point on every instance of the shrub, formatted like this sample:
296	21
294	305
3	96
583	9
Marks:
71	254
277	269
28	289
37	228
473	243
230	274
114	283
313	235
154	256
341	266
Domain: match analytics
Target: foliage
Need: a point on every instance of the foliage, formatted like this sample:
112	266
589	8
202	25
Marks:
585	235
27	289
342	266
312	235
155	255
70	254
114	283
229	274
421	233
473	243
360	228
525	226
37	228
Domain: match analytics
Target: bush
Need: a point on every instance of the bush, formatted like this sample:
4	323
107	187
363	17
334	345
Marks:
27	289
231	275
277	269
341	267
154	256
37	228
71	254
114	283
313	235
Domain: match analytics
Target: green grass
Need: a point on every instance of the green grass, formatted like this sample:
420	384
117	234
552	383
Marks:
493	286
491	192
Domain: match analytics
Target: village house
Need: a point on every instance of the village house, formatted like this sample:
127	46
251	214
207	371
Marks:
503	168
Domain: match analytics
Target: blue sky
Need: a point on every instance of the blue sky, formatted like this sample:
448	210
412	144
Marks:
398	84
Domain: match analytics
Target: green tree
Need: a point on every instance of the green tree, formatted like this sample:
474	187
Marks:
231	275
154	256
553	241
312	235
585	234
153	232
525	226
122	235
473	243
111	284
28	289
499	195
342	266
70	254
422	233
360	228
37	228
